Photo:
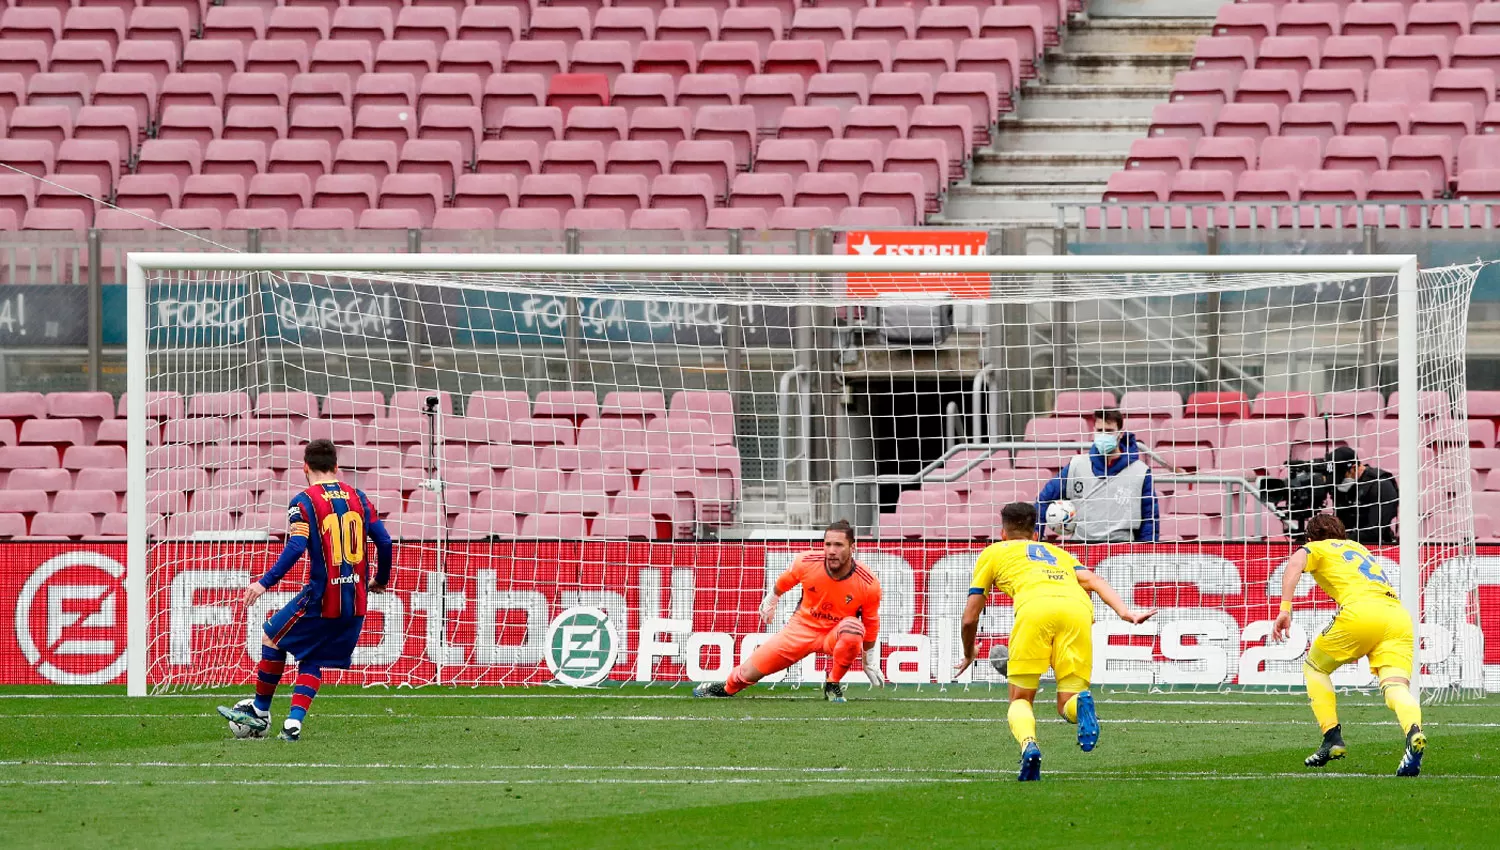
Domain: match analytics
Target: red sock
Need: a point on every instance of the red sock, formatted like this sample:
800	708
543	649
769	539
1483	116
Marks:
736	682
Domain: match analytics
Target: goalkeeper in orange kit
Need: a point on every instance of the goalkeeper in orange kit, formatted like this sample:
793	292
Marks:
839	615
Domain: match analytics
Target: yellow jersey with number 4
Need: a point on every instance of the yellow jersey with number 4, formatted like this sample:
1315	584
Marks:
1347	572
1025	570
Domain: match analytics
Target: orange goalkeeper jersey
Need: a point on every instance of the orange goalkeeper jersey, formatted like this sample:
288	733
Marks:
825	601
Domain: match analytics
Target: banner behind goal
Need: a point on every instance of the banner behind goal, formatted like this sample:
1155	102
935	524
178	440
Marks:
595	465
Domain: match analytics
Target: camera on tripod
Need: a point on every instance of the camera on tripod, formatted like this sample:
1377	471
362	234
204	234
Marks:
1307	487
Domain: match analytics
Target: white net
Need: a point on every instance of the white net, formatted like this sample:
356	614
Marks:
659	447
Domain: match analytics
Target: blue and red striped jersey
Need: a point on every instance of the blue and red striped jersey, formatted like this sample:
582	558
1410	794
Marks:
336	519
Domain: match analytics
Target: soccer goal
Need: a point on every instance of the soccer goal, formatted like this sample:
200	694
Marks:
594	465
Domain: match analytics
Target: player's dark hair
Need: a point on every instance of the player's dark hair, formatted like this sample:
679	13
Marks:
1112	415
1325	527
321	456
843	527
1019	517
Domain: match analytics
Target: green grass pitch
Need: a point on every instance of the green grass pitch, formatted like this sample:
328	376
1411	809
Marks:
651	767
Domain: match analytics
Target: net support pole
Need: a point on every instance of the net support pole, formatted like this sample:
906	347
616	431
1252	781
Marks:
1409	441
135	491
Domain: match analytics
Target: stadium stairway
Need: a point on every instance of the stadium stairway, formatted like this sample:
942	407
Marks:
1073	125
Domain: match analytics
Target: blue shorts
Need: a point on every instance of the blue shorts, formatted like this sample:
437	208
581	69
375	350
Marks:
311	638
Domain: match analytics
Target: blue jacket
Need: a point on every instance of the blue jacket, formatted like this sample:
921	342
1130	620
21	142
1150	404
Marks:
1129	453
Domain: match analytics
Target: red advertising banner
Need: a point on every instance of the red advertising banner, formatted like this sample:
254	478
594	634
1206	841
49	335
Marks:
500	613
917	243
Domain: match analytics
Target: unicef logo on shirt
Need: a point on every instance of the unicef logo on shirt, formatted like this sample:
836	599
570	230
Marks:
581	646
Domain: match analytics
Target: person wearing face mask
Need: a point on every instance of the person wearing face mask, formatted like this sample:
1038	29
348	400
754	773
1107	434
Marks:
1365	498
1110	487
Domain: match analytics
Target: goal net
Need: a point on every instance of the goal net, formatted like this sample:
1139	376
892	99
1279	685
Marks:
595	466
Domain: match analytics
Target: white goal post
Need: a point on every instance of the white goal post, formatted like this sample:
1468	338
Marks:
143	269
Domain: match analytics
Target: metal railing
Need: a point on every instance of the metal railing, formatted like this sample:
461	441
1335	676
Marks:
1240	494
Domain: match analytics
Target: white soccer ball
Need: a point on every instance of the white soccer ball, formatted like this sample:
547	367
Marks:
240	730
1000	658
1062	518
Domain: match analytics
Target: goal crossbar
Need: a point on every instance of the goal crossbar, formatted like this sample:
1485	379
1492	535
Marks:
1403	267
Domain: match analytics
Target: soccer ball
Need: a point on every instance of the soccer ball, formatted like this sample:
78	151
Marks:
240	730
1000	658
1062	518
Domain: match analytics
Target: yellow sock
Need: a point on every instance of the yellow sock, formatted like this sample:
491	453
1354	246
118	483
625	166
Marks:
1320	694
1070	709
1408	710
1022	721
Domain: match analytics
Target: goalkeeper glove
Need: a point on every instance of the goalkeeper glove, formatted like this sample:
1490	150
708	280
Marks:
768	607
871	660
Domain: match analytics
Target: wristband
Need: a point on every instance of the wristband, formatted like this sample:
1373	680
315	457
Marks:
1286	606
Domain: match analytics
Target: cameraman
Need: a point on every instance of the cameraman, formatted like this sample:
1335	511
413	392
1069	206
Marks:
1364	497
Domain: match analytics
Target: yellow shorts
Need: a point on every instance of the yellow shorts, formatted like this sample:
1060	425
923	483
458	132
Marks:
1056	633
1376	628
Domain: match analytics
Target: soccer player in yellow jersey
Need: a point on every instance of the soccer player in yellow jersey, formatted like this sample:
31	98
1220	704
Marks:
1054	627
1370	622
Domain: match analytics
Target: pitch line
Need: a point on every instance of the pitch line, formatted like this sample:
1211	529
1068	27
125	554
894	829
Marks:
699	781
669	718
1000	698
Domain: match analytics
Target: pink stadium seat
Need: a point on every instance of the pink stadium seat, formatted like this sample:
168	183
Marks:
708	89
1235	155
298	23
495	192
353	192
559	192
1137	187
632	91
540	124
603	124
1201	186
624	192
1022	24
861	57
649	158
443	158
1333	185
1385	20
665	219
244	24
321	90
583	158
234	158
1476	51
1318	120
727	218
802	58
1315	20
629	25
1275	87
398	90
1230	53
375	158
1255	21
793	157
1472	86
588	83
1249	120
1426	52
285	192
903	192
762	191
675	58
449	90
1344	87
839	90
480	58
1431	155
690	192
423	194
1217	405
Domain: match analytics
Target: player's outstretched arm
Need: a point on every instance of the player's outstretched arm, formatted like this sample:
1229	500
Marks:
291	552
384	555
1095	583
1294	570
970	629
